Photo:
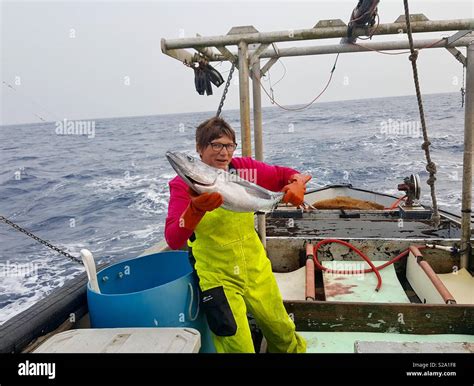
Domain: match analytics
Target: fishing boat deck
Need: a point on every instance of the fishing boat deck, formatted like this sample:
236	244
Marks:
349	342
346	311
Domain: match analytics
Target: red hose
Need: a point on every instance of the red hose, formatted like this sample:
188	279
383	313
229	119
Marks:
372	267
395	204
350	246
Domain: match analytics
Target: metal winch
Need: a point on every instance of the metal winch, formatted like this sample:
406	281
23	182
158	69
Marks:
412	189
411	208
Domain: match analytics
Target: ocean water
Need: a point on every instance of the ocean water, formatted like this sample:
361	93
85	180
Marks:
106	190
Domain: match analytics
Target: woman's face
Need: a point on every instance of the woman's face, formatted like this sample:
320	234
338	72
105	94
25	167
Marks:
212	156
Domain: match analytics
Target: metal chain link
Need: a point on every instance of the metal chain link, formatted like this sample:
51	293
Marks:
44	242
431	166
221	104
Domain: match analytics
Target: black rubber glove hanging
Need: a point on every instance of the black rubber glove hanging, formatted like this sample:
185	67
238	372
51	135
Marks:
204	76
199	80
208	83
214	75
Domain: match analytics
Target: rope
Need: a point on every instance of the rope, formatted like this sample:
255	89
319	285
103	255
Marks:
272	99
41	241
397	53
32	102
284	69
372	30
431	166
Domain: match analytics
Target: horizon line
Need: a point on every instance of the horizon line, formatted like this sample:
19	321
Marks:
210	111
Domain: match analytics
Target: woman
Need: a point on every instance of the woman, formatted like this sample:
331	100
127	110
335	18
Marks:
235	275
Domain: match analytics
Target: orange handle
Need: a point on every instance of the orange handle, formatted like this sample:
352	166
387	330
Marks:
309	251
310	284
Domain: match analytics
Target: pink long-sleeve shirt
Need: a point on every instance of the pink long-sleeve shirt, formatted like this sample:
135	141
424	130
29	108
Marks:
270	177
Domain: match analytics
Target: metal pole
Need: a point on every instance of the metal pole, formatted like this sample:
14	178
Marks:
361	47
258	137
341	48
467	161
244	100
315	33
257	111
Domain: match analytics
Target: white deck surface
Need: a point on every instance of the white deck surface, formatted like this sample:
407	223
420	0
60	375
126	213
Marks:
361	287
344	342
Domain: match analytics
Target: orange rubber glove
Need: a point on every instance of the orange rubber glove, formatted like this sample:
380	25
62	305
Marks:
295	190
197	208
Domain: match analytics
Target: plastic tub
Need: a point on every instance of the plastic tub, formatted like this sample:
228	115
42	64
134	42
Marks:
158	290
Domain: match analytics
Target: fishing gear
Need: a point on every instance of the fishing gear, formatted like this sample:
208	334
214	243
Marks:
363	16
204	76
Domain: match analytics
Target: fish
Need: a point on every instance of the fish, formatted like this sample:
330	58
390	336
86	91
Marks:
239	195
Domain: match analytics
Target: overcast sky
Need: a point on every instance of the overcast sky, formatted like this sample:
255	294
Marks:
90	59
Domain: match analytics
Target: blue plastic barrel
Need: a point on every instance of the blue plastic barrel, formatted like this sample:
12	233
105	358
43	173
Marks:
158	290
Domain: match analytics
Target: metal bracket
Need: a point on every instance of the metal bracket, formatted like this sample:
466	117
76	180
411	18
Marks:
245	29
458	35
239	30
454	51
458	55
272	61
267	66
228	55
413	18
256	54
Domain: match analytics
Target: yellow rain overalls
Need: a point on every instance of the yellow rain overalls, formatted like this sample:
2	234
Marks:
235	275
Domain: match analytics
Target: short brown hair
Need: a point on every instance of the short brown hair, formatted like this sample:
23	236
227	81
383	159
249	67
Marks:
212	129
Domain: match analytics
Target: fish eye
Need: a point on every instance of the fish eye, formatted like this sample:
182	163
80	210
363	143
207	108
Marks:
190	159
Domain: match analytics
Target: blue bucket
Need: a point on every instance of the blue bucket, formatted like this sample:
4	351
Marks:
158	290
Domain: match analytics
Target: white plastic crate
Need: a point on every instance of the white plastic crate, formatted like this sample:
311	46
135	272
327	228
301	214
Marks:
124	340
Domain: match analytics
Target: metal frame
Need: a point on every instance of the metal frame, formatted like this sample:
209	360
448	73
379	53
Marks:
214	48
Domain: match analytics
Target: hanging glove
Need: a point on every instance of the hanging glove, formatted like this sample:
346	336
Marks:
208	83
197	208
295	190
199	80
214	76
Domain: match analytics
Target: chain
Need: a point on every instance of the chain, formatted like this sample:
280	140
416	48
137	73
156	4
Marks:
221	104
463	89
44	242
431	166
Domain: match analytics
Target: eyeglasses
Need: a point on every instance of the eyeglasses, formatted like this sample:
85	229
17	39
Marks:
216	146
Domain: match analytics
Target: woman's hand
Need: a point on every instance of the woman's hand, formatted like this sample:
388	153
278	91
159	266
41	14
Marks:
197	208
295	190
205	202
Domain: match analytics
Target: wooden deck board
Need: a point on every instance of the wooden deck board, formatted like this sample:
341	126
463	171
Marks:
399	318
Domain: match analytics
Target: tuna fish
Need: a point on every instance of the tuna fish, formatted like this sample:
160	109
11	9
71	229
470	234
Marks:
239	195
